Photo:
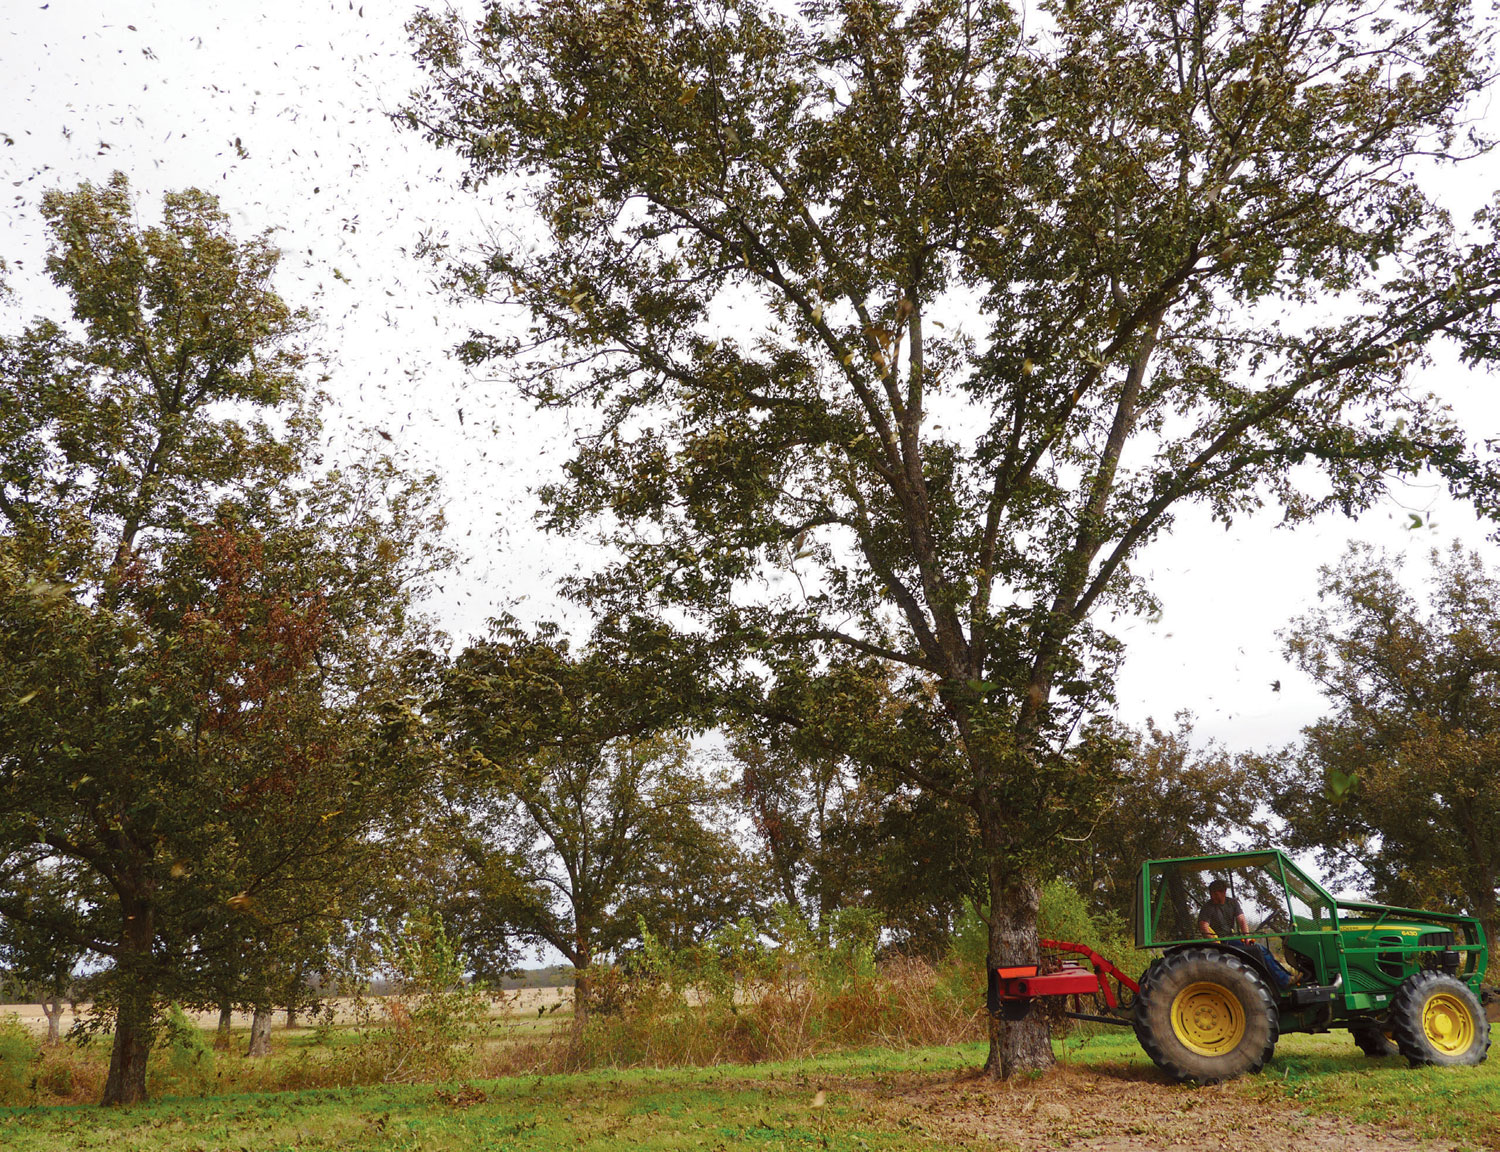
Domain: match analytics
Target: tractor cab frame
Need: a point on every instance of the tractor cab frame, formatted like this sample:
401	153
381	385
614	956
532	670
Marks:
1357	951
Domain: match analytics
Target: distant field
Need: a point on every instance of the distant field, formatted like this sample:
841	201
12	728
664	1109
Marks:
515	1002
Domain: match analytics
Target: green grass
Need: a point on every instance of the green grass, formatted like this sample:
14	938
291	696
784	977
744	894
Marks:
765	1108
768	1107
1326	1074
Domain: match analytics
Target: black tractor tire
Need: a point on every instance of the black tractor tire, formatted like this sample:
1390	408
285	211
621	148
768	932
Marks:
1204	1014
1372	1040
1437	1020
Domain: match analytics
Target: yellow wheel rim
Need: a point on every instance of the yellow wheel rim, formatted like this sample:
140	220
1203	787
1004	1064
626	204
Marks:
1208	1019
1447	1024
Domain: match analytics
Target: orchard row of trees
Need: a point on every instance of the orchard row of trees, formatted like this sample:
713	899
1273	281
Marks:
1002	305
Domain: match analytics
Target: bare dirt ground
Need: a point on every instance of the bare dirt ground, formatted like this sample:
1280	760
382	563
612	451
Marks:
1116	1110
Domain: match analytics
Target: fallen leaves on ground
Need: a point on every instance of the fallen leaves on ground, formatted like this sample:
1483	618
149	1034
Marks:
1113	1109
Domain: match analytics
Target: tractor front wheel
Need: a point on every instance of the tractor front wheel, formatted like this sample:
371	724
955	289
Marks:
1437	1020
1204	1014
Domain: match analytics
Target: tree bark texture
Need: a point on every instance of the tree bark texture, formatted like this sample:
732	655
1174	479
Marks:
135	1015
226	1020
52	1009
581	994
126	1082
1015	1045
260	1032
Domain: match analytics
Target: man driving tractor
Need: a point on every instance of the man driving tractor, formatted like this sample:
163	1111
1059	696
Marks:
1222	917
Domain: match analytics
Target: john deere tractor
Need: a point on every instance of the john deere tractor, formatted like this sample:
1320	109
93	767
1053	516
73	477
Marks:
1285	957
1212	1005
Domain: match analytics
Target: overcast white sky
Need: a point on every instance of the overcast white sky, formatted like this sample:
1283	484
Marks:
163	90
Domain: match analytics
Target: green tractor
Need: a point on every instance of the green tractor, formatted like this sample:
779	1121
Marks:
1254	948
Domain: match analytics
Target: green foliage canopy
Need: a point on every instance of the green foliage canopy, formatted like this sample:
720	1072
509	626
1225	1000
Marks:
842	775
577	817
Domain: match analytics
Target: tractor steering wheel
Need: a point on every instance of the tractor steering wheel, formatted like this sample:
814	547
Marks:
1275	922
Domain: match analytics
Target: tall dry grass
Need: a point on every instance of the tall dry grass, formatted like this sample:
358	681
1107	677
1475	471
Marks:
750	994
777	990
903	1003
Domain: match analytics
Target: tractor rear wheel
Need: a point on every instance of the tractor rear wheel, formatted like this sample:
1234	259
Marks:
1205	1014
1437	1020
1372	1040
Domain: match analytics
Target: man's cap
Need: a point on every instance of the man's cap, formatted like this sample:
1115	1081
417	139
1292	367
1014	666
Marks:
1219	885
